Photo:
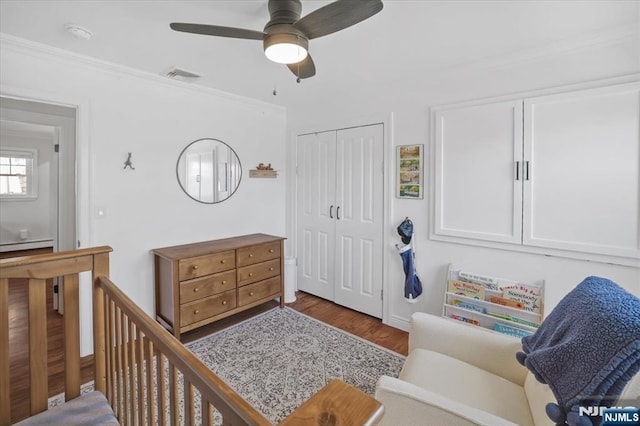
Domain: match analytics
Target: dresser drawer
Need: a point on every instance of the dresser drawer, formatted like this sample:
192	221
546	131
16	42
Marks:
258	272
194	267
203	309
256	291
258	253
207	286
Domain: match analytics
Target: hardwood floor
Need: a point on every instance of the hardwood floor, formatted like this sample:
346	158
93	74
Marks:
359	324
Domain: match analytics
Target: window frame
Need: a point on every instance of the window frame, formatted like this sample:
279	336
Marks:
31	172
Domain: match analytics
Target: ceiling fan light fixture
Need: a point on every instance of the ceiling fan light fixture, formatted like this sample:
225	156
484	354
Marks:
286	48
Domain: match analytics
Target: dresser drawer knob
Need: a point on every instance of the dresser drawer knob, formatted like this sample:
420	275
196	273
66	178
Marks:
222	261
196	312
224	282
195	290
250	274
224	302
250	293
270	250
250	254
195	267
271	269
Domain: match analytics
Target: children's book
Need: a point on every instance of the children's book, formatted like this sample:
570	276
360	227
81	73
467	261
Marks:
475	291
528	296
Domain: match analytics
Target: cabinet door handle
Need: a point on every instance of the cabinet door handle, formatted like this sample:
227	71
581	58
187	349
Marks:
517	170
526	168
331	212
338	213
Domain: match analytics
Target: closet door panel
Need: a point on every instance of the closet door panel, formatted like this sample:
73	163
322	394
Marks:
478	171
583	193
358	252
316	213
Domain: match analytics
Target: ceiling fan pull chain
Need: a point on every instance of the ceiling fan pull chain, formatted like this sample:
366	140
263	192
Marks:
298	79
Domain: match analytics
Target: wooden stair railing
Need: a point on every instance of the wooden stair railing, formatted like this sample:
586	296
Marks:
134	339
38	269
125	340
138	363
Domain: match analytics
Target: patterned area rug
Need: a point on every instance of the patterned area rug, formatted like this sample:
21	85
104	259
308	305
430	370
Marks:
277	360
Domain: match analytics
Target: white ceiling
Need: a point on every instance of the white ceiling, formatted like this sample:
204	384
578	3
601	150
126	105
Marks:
406	39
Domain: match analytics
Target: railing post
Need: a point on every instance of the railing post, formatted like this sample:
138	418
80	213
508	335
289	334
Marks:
71	320
38	375
100	269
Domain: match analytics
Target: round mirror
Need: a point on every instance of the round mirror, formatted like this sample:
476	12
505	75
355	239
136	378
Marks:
209	171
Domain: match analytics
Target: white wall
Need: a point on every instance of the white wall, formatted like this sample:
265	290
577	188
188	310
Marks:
123	111
408	99
34	214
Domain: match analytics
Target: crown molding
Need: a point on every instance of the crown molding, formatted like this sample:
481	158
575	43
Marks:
35	49
568	46
563	47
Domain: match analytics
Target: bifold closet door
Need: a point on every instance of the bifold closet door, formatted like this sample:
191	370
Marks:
359	221
316	213
340	216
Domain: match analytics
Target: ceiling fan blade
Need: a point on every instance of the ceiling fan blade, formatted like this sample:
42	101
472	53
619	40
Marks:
337	16
216	30
304	69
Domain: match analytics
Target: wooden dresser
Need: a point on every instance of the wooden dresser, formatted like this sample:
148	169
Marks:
199	283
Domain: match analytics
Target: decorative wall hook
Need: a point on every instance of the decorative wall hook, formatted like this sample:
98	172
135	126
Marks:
128	163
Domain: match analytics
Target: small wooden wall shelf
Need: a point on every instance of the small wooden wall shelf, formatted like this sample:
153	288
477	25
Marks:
263	173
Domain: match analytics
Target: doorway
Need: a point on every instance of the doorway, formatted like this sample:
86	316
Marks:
340	209
37	181
37	215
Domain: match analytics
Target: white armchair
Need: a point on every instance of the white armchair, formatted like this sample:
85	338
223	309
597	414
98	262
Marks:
460	374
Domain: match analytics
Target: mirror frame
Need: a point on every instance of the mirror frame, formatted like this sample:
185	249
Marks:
178	168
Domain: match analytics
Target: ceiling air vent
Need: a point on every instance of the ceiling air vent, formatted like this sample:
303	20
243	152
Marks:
182	75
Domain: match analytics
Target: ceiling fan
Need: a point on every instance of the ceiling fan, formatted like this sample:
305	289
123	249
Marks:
286	36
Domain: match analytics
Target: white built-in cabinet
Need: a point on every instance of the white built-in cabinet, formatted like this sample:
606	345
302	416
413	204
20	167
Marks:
340	216
559	172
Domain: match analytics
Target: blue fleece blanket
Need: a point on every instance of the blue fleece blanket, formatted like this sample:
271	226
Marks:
587	349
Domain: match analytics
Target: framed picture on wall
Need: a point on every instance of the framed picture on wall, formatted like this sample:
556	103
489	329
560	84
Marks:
410	183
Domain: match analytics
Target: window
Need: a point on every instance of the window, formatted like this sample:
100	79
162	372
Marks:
18	173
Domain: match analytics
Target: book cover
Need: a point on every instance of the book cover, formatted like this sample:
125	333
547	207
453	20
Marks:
475	291
511	331
506	302
530	300
469	306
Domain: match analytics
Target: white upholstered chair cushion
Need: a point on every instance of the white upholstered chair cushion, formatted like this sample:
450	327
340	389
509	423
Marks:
467	384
